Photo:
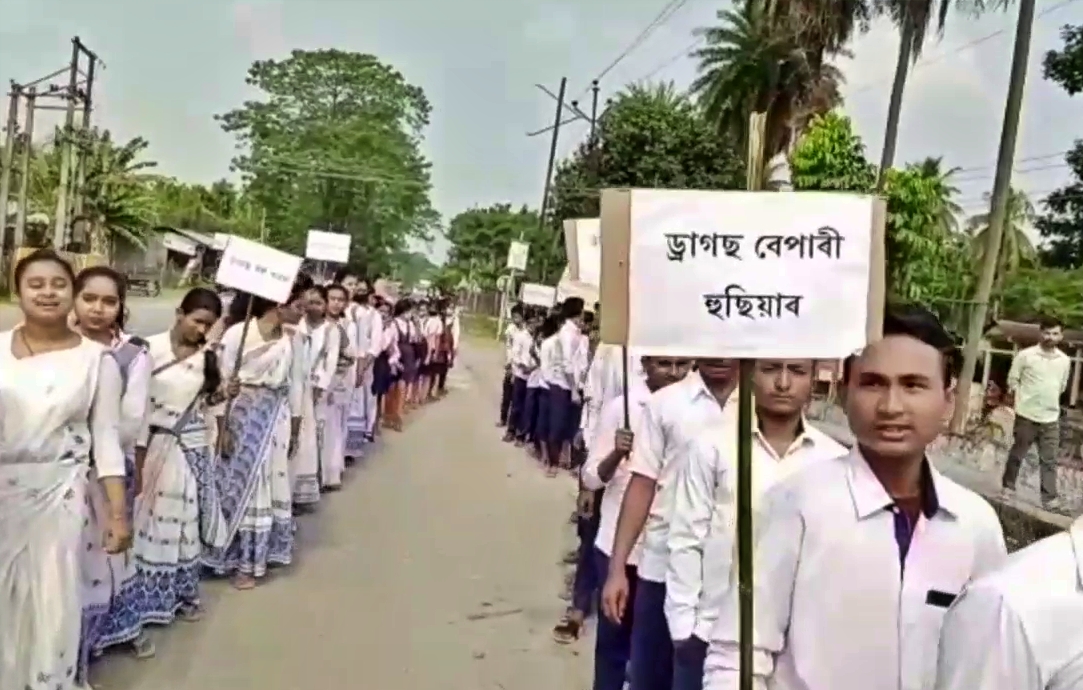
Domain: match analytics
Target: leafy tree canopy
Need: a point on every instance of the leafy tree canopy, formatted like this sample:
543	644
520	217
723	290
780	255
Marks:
480	238
335	144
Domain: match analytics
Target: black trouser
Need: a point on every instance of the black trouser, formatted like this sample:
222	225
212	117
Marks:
587	582
505	397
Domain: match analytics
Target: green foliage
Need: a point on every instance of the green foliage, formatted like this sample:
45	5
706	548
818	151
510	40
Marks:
1016	249
1035	292
1065	66
335	144
926	261
219	208
411	267
480	238
650	136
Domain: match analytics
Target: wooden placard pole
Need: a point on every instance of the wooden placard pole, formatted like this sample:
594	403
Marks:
745	548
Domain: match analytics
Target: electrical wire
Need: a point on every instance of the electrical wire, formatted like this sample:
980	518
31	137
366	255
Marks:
663	16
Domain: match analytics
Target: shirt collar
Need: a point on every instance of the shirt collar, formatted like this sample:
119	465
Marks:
870	497
806	439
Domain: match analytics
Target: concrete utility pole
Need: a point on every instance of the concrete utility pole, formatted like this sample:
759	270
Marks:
66	142
1002	186
24	166
88	97
549	168
8	160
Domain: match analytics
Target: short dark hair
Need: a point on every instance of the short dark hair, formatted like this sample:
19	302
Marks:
919	323
571	308
588	317
1047	322
41	256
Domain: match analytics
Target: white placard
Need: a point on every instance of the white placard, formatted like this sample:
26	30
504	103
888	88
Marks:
588	233
538	295
748	274
258	269
517	255
328	246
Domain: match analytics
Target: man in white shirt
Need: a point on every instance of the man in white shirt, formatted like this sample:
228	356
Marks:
607	466
1020	627
858	558
674	416
1038	377
512	328
703	522
369	326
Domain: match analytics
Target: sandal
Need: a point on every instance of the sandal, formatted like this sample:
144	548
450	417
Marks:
567	631
243	582
143	647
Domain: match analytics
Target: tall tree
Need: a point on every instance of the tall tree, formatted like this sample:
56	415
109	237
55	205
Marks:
772	56
336	144
914	19
950	211
480	238
1062	223
1016	249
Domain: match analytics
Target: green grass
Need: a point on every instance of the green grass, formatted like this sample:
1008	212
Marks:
480	328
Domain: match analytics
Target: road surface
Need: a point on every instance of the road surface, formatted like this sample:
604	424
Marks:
435	568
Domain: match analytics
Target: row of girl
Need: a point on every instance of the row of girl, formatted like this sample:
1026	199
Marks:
130	468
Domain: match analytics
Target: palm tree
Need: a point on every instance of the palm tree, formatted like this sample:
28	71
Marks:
932	168
771	56
914	18
1016	248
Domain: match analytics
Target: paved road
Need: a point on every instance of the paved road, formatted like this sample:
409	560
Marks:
149	315
436	568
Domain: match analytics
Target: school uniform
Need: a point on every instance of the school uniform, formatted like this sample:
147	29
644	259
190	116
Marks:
613	641
535	393
848	594
521	366
674	416
702	537
1021	626
563	376
506	384
605	381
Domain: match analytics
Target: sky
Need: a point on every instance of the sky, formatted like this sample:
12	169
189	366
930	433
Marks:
171	66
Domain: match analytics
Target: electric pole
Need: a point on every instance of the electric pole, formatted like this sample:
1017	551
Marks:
1002	185
24	166
8	161
549	167
68	187
85	142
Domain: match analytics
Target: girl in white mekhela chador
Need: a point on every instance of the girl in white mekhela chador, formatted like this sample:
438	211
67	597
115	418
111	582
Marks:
253	471
339	394
112	612
59	405
321	356
177	513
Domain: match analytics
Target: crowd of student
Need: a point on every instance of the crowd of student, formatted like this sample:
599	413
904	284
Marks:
873	571
132	468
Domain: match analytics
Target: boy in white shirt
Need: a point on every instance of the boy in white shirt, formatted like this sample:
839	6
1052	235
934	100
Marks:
607	471
512	328
703	522
857	558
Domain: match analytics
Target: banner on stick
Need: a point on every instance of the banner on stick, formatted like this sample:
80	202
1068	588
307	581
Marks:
328	246
258	269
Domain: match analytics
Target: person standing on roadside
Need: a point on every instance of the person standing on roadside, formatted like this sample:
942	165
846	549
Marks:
674	416
857	558
508	383
703	522
607	472
1038	377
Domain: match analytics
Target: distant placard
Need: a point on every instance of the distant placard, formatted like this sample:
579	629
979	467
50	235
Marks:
518	253
328	246
538	295
258	269
740	274
583	248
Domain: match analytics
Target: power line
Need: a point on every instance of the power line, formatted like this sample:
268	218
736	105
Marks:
663	16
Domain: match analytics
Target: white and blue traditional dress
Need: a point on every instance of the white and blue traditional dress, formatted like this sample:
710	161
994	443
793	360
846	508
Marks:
57	410
253	480
178	515
320	348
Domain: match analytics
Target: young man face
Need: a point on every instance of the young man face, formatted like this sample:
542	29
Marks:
897	398
1052	335
783	387
662	371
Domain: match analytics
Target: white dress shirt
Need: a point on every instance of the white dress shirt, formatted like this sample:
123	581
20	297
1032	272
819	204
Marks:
1020	627
844	600
674	416
612	419
522	361
703	522
509	338
605	381
563	369
550	365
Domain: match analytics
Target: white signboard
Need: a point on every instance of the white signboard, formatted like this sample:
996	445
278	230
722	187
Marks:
328	246
517	255
258	269
538	295
748	274
588	244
